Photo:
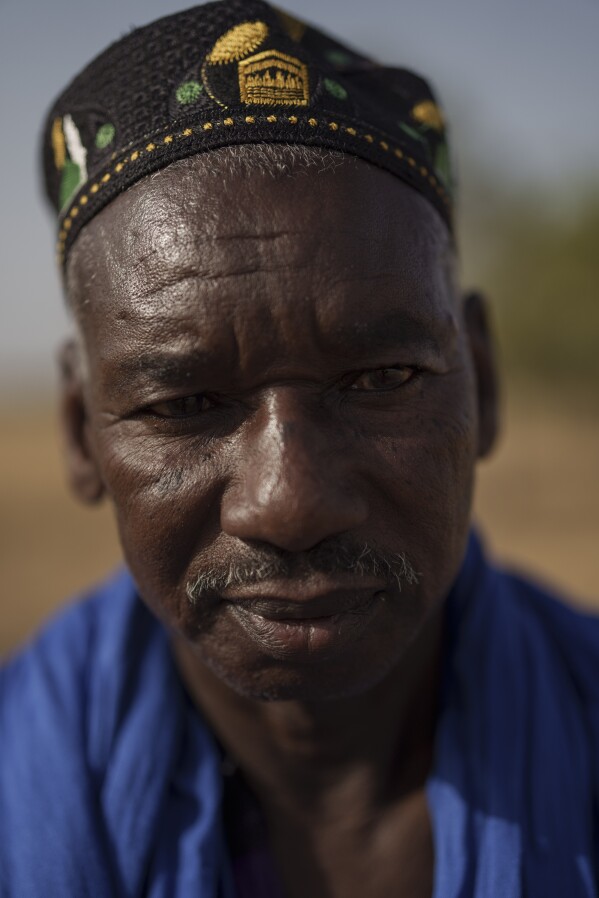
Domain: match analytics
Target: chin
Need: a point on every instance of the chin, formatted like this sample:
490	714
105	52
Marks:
283	681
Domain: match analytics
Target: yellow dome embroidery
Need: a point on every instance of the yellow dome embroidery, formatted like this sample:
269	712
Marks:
238	42
294	28
428	113
58	144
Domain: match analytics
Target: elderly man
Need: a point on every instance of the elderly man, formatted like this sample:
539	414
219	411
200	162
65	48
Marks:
309	681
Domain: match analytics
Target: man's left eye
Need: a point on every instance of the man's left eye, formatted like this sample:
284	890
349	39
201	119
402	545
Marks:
382	379
186	407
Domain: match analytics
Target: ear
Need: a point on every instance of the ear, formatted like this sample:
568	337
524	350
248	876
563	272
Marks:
83	472
482	349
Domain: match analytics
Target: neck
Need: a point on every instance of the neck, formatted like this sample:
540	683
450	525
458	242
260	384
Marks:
303	757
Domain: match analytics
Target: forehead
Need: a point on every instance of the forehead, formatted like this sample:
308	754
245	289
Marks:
248	242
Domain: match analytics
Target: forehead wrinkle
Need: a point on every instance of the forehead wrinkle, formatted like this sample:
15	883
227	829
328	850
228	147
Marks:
156	237
165	246
198	247
222	266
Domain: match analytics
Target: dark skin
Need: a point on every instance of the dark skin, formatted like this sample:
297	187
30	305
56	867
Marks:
274	364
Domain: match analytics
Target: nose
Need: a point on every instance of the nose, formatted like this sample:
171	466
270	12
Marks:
292	487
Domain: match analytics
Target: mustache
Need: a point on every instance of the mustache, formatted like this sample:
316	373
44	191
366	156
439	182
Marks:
338	556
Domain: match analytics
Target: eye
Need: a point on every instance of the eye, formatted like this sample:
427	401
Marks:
383	379
186	407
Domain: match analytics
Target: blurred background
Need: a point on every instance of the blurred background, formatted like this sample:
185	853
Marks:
519	84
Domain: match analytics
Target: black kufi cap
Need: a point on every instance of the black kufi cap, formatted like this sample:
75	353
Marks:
233	72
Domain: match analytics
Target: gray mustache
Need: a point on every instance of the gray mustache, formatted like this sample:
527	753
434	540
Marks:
334	557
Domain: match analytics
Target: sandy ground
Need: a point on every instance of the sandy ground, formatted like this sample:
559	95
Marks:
537	505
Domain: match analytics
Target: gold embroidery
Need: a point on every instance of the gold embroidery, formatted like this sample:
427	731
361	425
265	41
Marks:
428	113
238	42
294	28
271	78
58	144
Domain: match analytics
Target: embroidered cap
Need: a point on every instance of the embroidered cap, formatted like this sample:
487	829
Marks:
233	72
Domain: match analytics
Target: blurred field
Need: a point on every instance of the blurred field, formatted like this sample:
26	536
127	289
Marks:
537	504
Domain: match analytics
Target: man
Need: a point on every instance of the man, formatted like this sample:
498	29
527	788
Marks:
309	681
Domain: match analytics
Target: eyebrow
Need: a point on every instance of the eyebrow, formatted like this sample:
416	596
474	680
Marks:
161	367
399	328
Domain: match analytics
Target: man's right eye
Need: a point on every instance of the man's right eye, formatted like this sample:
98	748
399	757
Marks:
186	407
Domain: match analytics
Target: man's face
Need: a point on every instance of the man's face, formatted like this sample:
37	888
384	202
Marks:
280	378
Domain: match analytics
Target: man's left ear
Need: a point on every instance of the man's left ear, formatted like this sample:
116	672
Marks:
482	348
83	471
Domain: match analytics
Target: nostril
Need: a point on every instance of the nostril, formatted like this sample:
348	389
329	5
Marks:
288	429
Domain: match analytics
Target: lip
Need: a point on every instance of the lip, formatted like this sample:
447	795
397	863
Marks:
310	628
282	608
317	596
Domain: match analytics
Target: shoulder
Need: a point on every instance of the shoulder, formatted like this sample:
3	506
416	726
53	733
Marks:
570	633
66	644
47	688
514	624
86	742
99	747
517	766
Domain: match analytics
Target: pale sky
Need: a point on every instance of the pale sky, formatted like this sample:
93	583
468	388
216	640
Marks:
519	80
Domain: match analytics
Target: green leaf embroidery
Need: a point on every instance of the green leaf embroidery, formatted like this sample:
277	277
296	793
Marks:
412	132
71	175
188	92
442	168
335	89
105	135
338	58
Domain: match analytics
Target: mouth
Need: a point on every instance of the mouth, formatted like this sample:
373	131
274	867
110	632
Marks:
304	623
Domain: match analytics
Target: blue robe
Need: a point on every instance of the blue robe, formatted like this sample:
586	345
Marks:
110	782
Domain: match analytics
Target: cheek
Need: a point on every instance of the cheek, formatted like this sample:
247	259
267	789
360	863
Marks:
166	495
425	475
